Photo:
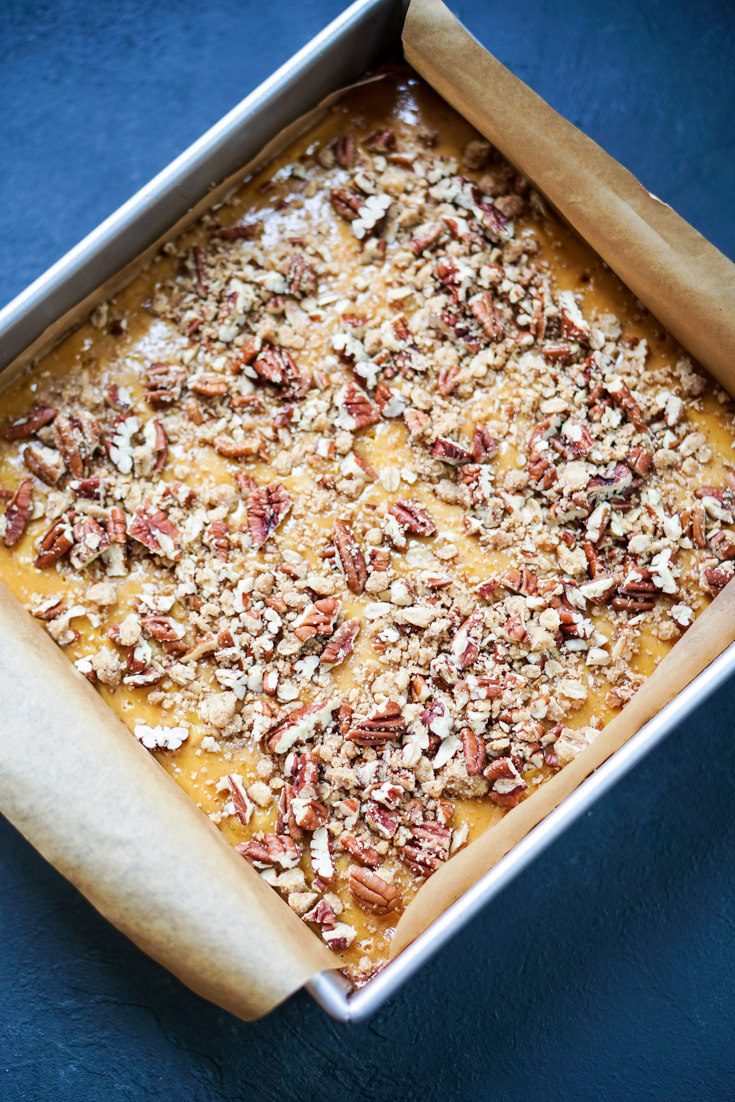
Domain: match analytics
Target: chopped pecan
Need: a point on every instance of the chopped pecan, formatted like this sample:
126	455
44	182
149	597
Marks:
699	526
344	718
245	483
151	527
218	539
382	141
447	380
379	559
449	451
412	517
244	806
145	679
55	543
200	270
723	545
209	385
44	463
309	814
276	365
419	689
362	852
340	645
301	279
18	512
416	421
241	233
359	407
620	393
163	382
285	819
70	442
383	725
238	449
350	558
344	150
639	459
161	628
486	312
382	822
266	508
87	488
432	847
474	751
465	643
717	577
519	581
372	892
31	423
484	446
90	540
426	235
117	528
557	353
316	619
347	205
300	725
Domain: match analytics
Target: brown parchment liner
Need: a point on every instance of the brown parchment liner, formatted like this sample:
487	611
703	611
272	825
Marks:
684	280
92	800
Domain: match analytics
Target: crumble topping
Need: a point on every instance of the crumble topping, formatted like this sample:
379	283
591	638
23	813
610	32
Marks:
382	509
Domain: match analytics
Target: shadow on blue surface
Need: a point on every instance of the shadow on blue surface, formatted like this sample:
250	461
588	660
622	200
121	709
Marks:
607	971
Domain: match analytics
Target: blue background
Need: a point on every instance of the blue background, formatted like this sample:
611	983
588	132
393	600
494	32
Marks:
606	971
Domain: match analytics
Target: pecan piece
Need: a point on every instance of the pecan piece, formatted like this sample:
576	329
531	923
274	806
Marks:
350	558
447	380
90	540
639	459
316	619
117	528
465	642
276	365
309	814
209	385
217	538
382	141
44	463
384	725
362	852
345	205
723	545
152	528
163	628
18	512
717	577
54	544
31	423
484	446
358	408
344	150
241	233
449	451
163	382
416	421
412	517
238	449
301	279
70	442
426	235
340	645
372	892
485	310
474	751
200	270
266	508
620	393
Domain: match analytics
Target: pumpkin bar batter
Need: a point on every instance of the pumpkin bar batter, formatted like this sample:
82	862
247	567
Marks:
368	504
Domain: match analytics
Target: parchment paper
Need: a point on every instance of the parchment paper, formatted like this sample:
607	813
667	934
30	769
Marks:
101	809
95	803
683	279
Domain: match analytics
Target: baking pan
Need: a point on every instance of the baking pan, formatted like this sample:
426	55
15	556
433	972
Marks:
368	32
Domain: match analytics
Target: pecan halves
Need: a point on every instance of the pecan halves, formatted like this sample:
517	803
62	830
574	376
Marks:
31	423
18	512
44	463
474	751
152	528
340	645
383	725
55	543
372	893
485	310
238	449
412	517
209	385
266	508
90	540
350	558
316	619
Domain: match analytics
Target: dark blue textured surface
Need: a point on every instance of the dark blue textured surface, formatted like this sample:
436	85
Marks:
607	971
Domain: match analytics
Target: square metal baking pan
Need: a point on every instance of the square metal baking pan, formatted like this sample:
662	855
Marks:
367	33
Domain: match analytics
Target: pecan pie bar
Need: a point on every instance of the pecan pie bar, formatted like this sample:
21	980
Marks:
368	504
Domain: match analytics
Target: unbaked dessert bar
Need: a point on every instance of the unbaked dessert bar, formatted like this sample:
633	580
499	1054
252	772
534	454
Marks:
368	504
